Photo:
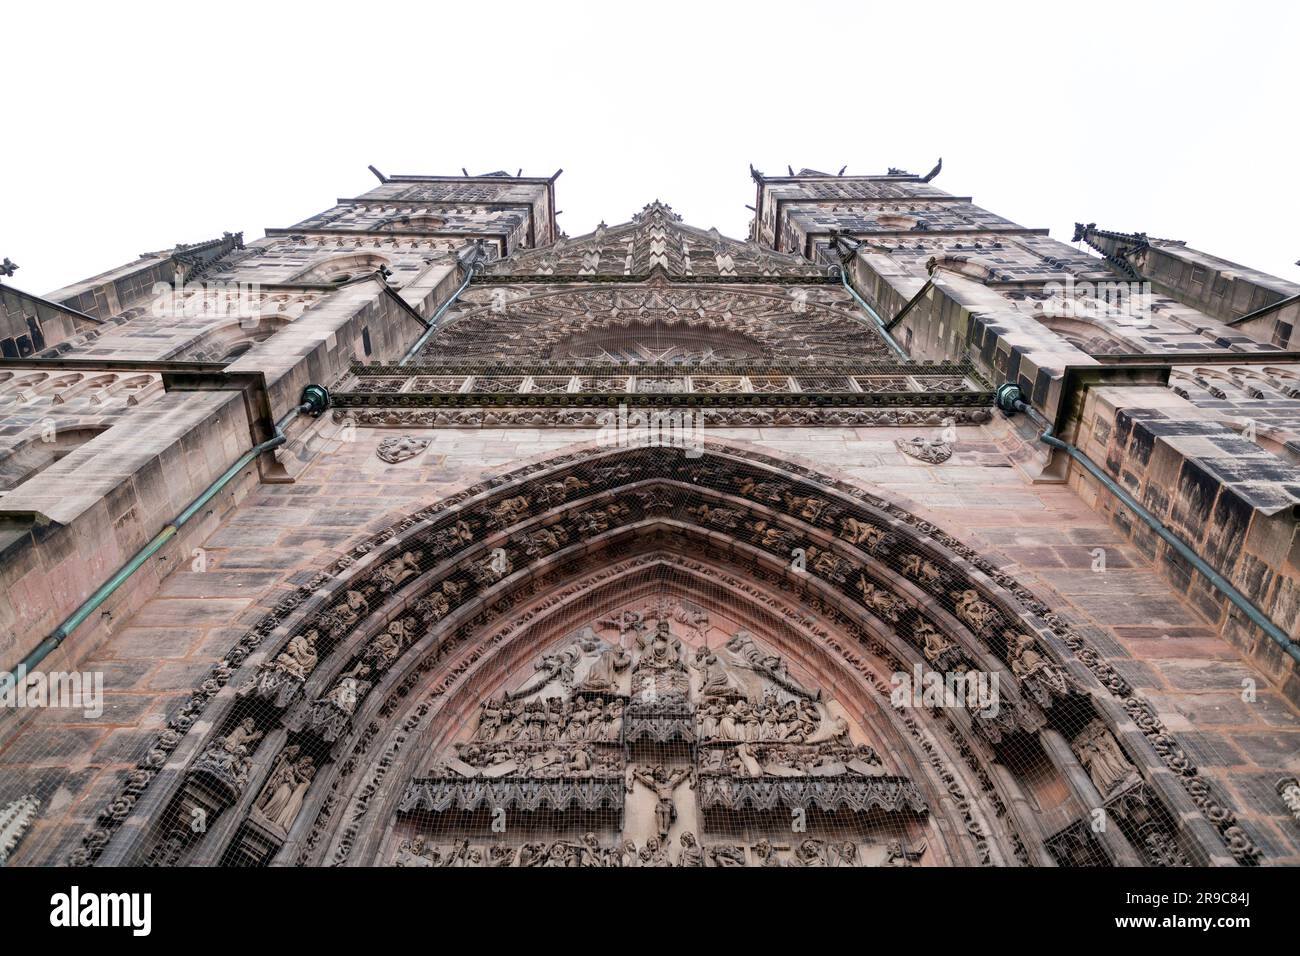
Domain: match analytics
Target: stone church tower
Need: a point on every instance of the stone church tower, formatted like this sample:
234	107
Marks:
421	534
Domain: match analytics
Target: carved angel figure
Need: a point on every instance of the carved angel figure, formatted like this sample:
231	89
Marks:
1031	666
246	735
921	570
869	537
715	679
880	602
341	619
940	650
560	666
395	572
349	690
603	676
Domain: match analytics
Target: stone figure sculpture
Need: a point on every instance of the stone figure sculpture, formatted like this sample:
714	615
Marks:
285	789
1100	755
663	784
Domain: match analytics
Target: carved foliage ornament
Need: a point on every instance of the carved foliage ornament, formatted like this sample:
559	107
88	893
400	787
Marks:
524	417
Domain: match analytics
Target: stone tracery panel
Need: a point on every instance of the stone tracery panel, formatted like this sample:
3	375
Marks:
655	322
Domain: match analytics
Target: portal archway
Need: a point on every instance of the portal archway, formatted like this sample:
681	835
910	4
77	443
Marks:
373	675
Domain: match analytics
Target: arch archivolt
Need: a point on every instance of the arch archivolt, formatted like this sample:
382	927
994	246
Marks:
359	676
500	654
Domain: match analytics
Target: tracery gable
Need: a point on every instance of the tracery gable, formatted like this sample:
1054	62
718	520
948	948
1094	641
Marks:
654	240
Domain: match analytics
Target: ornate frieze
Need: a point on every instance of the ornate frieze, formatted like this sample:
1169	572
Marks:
687	851
705	417
665	723
656	322
834	795
716	384
560	795
625	621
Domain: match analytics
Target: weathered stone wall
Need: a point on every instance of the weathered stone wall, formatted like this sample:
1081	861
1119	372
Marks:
84	516
136	458
1227	497
1218	467
29	324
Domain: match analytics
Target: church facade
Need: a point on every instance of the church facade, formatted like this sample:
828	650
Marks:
421	534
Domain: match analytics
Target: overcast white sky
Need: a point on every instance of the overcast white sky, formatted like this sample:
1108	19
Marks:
134	126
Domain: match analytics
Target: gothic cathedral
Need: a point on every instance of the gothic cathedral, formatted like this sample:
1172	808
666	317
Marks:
420	534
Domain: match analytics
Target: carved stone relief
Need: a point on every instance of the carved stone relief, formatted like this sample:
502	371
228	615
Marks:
934	451
400	448
652	715
686	851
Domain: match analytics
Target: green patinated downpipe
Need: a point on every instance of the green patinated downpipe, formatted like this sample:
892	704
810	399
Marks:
875	317
315	399
1010	400
471	267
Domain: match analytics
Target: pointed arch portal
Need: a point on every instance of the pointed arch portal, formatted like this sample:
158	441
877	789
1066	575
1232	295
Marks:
655	655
